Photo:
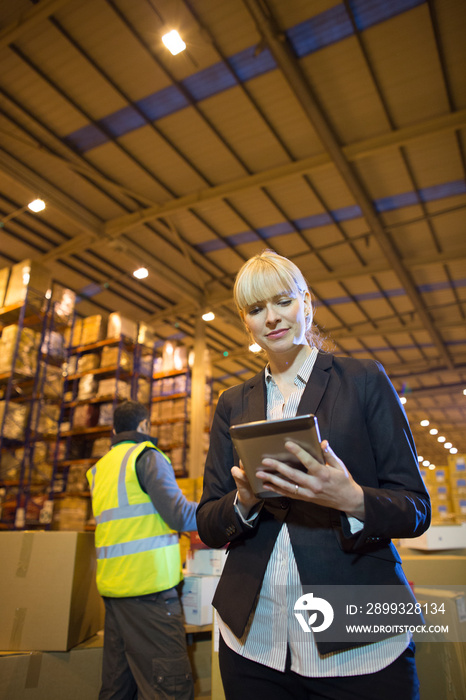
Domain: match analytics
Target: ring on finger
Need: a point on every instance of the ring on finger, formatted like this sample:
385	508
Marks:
296	489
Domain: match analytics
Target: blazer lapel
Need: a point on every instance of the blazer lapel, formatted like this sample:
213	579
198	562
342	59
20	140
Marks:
315	388
254	407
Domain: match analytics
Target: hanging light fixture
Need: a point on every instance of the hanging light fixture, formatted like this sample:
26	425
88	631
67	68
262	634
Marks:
173	42
37	205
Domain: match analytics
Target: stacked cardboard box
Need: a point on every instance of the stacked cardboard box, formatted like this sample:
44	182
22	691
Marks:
87	387
71	513
119	326
87	362
85	416
106	414
18	350
64	301
13	417
113	357
73	335
112	387
196	598
93	329
4	277
28	279
48	595
457	476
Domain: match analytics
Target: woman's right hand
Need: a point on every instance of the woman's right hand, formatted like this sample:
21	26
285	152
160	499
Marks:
246	497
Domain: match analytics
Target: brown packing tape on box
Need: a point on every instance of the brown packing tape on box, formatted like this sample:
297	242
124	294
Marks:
22	568
33	671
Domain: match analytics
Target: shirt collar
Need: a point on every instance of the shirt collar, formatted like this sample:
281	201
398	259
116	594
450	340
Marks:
303	373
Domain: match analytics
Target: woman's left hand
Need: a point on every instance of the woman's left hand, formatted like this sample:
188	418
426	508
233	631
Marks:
328	484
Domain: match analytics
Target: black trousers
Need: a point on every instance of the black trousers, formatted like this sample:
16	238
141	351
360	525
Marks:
247	680
145	654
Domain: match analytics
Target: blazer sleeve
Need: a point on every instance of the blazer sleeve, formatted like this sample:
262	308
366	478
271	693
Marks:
217	520
399	506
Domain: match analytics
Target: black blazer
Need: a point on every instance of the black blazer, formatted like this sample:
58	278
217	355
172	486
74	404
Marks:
360	414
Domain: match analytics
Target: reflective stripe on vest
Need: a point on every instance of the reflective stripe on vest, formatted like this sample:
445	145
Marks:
124	548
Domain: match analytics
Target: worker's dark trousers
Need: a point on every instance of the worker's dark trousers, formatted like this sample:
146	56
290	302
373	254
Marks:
145	656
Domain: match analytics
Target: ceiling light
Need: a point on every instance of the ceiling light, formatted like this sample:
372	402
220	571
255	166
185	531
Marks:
431	466
453	450
420	458
433	431
403	399
141	273
447	445
173	42
254	347
37	205
424	423
441	438
209	316
425	463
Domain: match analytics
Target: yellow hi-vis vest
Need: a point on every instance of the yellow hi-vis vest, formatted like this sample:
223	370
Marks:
137	552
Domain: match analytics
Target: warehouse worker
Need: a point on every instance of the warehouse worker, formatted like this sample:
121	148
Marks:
139	510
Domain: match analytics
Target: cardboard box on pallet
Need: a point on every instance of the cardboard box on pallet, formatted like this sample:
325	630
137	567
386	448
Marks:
73	335
27	279
93	329
19	354
118	326
48	595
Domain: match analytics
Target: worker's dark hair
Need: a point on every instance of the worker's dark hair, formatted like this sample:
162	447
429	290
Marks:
128	415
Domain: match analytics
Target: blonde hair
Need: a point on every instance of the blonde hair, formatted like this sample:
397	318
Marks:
267	275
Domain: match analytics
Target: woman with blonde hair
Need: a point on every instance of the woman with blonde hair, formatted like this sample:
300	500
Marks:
329	527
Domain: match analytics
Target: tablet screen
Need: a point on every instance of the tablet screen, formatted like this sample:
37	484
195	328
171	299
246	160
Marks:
260	439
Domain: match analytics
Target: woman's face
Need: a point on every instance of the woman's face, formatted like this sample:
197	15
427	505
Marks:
279	324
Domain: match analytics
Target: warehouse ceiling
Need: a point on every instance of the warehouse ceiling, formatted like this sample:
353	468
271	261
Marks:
333	132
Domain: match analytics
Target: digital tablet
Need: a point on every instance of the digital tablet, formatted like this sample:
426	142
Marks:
266	438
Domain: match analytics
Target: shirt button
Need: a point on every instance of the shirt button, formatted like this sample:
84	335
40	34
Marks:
284	503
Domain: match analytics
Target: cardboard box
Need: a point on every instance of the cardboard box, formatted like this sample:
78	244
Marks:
88	362
439	537
74	675
4	277
28	279
48	595
71	513
209	562
13	419
64	301
112	387
92	329
443	670
435	569
73	335
146	335
113	357
19	350
196	598
120	326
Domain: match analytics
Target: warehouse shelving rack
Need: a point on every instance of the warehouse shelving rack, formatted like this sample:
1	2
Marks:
23	492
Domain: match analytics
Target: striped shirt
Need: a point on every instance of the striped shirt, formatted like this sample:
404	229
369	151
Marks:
273	626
